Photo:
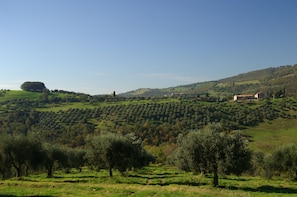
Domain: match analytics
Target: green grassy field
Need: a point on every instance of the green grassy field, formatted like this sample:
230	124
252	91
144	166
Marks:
271	134
150	181
19	94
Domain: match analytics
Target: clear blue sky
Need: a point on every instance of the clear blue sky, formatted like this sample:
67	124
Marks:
100	46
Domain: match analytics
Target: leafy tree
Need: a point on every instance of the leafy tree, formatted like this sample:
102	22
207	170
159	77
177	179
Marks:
114	151
258	162
76	158
211	151
54	154
33	86
21	153
5	166
284	159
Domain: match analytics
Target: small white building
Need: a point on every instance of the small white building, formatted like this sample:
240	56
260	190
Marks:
244	97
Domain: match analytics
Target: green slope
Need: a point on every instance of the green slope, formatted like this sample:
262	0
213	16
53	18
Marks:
265	80
18	94
264	137
272	134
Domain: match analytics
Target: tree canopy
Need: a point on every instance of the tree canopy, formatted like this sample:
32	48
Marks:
284	159
212	151
112	151
33	86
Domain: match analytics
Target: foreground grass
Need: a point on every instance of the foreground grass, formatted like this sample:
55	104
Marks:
151	181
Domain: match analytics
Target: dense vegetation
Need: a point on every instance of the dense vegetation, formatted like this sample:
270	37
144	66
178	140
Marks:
45	131
68	118
156	121
20	155
213	151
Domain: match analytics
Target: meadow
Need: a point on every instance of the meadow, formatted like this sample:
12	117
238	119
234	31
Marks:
154	180
269	135
18	94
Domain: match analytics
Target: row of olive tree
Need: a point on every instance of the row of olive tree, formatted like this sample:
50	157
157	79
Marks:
282	161
212	151
21	155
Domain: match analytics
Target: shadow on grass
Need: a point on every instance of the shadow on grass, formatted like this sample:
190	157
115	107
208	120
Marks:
236	179
3	195
187	183
164	180
6	195
265	189
76	181
88	176
153	176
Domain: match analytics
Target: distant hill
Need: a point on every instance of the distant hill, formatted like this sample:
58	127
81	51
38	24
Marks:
68	118
268	81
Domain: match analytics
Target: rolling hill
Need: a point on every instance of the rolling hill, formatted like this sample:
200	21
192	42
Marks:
68	117
265	80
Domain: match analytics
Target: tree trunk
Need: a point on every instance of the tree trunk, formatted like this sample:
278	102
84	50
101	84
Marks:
16	167
215	182
49	172
110	171
18	171
26	170
3	173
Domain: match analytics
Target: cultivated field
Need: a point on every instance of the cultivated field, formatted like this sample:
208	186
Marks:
150	181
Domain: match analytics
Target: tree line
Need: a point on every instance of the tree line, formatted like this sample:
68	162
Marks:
211	150
21	155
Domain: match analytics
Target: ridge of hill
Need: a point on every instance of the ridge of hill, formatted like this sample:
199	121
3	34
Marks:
266	80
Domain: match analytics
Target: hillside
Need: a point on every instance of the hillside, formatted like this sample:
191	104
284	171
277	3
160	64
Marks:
267	81
68	117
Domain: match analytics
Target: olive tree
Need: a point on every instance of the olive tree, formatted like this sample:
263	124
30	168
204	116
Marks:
284	159
212	151
21	153
75	158
113	151
5	165
53	154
